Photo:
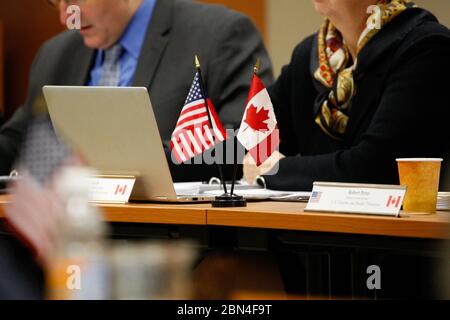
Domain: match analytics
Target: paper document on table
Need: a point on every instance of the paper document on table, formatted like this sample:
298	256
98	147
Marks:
194	188
267	194
293	197
443	202
250	192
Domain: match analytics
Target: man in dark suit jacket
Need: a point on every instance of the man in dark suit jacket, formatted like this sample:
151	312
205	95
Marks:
176	30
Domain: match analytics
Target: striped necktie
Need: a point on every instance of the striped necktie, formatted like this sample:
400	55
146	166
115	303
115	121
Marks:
111	67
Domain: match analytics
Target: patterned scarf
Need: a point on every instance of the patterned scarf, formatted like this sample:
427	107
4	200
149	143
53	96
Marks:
334	72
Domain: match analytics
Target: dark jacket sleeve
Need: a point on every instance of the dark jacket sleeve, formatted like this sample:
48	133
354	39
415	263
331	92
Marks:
230	72
21	277
293	77
11	136
228	79
410	119
13	131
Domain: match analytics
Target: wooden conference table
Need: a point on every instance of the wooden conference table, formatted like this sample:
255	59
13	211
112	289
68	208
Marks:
276	215
340	239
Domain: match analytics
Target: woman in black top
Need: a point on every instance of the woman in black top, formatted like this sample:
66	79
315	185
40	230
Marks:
357	96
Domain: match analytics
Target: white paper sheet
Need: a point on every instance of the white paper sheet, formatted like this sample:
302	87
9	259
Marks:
251	192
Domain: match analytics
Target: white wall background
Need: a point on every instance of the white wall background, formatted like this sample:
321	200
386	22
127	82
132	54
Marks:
290	21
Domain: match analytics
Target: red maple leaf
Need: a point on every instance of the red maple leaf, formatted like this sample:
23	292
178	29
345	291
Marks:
256	120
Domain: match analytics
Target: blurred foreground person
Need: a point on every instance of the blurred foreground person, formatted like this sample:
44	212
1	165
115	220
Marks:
34	211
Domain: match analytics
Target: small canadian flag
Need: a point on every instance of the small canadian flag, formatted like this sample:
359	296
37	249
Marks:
393	201
120	190
259	132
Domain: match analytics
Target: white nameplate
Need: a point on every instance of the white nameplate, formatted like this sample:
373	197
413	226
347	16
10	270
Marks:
384	200
111	189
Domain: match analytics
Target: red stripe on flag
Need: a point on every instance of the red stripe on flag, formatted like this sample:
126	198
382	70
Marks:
197	139
189	128
213	113
196	116
185	110
388	204
201	136
398	202
182	146
256	87
175	152
192	134
263	150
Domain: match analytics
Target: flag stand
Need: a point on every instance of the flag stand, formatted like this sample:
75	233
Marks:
227	200
231	200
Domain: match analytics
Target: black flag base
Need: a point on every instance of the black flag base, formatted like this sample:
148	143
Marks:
229	201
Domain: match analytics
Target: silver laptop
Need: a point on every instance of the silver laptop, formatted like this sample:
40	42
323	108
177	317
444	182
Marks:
115	130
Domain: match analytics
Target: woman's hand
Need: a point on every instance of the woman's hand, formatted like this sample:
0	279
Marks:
252	171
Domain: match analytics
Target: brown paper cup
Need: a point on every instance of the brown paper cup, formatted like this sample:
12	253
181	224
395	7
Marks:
421	176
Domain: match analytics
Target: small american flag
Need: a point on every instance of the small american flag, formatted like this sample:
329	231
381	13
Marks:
193	134
315	197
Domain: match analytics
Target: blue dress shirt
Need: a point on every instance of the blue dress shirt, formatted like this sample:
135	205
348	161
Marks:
132	41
